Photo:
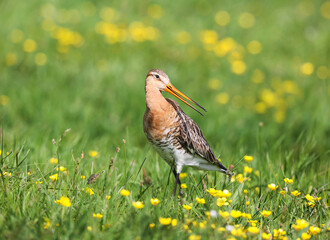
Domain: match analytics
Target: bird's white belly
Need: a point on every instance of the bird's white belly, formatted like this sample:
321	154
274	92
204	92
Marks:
179	157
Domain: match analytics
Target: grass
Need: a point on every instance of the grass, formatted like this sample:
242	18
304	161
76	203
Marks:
270	103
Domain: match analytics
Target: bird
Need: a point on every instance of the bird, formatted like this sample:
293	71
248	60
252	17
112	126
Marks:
172	133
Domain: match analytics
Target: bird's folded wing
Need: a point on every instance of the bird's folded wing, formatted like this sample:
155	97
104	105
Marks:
192	138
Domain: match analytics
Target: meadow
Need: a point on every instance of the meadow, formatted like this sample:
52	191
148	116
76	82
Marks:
74	161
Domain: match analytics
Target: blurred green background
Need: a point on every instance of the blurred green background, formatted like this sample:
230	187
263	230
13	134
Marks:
260	68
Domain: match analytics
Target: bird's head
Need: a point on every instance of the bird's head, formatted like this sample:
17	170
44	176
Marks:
159	80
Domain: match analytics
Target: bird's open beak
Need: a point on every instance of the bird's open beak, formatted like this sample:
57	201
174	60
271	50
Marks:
175	92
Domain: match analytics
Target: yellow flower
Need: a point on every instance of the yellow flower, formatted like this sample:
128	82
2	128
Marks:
139	32
107	197
93	153
38	182
224	214
54	177
278	233
221	229
245	191
89	191
266	213
138	205
225	193
301	224
16	36
238	232
307	68
152	225
183	37
311	198
4	101
247	203
155	11
247	169
282	192
29	45
89	228
311	204
212	191
154	201
238	67
257	173
187	207
97	215
7	174
214	84
64	201
254	47
125	192
246	20
260	107
253	230
235	214
231	238
82	177
246	215
185	227
195	237
222	98
288	180
258	76
272	186
183	175
224	46
202	224
200	200
322	71
314	230
253	223
221	201
325	10
240	178
222	18
165	221
40	59
295	193
209	37
305	236
47	223
53	160
248	158
266	236
62	169
183	185
174	222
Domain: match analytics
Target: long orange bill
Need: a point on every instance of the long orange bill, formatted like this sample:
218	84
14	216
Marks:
175	92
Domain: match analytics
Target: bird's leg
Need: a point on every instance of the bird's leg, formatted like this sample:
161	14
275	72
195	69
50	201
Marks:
177	181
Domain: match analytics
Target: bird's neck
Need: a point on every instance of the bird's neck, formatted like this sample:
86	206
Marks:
155	100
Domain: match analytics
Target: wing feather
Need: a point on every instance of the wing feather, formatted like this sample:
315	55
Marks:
192	138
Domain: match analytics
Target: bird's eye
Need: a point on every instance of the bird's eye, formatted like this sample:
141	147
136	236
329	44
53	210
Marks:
157	76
